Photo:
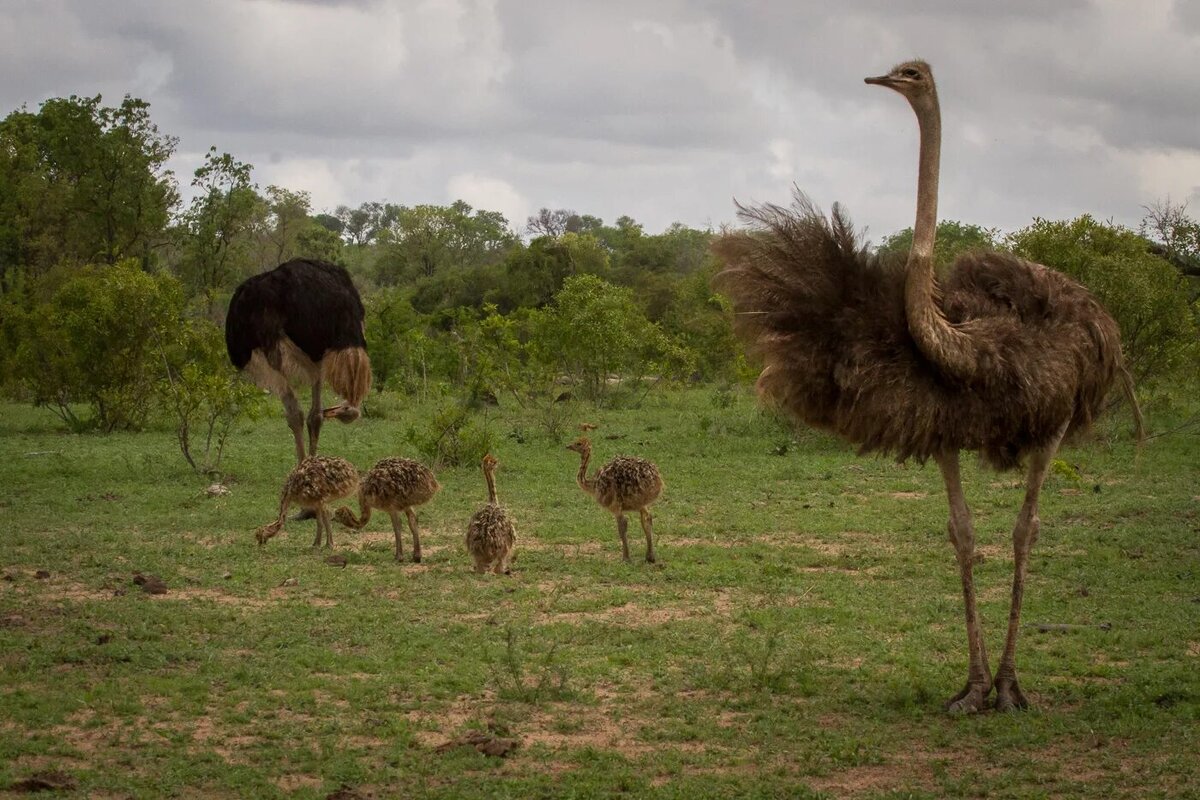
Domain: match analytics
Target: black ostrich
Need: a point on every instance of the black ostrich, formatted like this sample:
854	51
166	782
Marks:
302	321
1001	356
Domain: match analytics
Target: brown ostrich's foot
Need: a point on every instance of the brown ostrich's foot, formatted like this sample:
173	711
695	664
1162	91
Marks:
1009	696
971	700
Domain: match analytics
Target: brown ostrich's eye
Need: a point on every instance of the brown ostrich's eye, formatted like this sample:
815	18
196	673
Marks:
911	73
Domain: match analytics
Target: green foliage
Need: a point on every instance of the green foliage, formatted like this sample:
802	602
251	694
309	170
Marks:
534	274
1141	290
217	248
452	437
595	333
203	395
93	343
81	183
426	240
953	239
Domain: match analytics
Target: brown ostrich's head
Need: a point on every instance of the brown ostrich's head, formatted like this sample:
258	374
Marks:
490	463
343	413
581	445
913	79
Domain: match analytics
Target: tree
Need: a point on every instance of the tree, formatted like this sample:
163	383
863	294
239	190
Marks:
216	232
93	342
81	183
1174	234
594	331
426	240
535	273
1141	290
953	239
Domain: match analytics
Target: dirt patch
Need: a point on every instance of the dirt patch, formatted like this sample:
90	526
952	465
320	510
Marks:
292	783
908	495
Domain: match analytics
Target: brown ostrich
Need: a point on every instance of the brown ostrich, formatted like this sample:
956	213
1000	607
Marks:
1002	356
313	484
626	483
492	531
393	485
302	321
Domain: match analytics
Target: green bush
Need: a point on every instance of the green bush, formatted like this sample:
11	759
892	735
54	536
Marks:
94	343
202	394
452	437
1142	291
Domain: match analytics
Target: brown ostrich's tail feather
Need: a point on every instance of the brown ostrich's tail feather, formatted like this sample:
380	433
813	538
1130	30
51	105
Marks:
792	278
1139	424
348	372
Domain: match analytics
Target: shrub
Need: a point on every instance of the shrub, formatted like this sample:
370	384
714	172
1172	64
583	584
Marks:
202	393
93	343
1143	292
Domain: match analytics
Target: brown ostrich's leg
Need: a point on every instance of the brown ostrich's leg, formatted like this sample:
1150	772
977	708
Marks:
962	535
323	516
1025	533
648	528
295	420
412	525
316	416
395	515
622	528
317	516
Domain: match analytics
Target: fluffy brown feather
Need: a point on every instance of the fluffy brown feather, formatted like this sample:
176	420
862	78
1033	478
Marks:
828	321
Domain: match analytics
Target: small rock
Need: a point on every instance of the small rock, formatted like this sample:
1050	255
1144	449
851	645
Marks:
226	575
104	638
289	582
217	490
336	560
42	574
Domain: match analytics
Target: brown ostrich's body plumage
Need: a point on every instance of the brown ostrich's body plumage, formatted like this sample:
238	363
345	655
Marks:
395	485
491	537
829	322
627	483
313	484
492	531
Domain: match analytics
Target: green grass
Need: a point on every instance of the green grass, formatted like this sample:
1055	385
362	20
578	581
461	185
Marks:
796	640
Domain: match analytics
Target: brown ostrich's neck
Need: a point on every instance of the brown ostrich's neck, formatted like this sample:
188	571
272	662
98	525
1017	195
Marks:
491	484
588	486
937	339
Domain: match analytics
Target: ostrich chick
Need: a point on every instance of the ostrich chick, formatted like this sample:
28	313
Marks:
393	485
492	532
626	483
313	484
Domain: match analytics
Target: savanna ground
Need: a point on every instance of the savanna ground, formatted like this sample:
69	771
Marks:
797	638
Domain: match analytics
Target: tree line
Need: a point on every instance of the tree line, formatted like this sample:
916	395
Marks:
113	290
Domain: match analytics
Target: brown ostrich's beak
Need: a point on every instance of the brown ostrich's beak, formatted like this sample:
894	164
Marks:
881	80
342	413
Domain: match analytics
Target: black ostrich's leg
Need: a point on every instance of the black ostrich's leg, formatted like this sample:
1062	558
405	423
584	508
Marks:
1008	693
316	416
973	696
295	420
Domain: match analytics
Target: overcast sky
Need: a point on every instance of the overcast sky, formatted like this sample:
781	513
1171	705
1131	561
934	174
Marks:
665	110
